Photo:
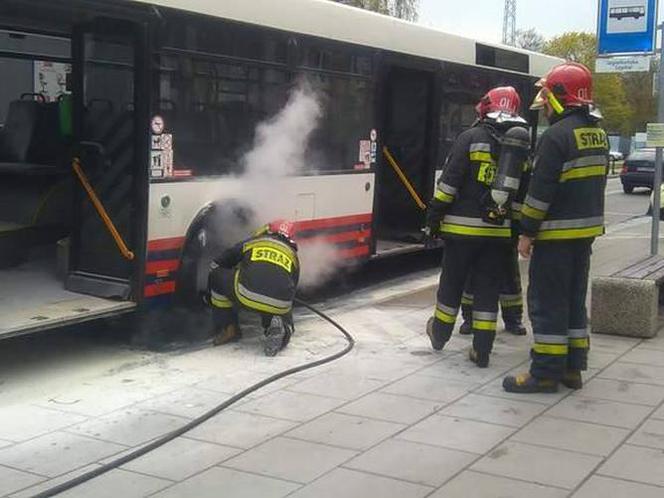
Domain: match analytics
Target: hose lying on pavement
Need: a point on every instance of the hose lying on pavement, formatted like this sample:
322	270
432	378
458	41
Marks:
118	462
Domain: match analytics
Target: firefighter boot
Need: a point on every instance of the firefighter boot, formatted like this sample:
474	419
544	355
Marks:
230	333
437	338
467	314
515	327
275	336
527	384
479	359
572	379
466	328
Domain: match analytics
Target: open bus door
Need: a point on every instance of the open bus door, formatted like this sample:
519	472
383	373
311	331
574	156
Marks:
404	179
110	116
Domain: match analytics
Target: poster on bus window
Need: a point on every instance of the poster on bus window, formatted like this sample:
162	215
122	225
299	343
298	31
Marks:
50	79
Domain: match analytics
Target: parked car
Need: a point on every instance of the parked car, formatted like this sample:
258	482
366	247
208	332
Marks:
614	155
638	170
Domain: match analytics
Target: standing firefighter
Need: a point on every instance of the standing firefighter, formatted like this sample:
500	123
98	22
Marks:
261	275
511	293
476	228
561	216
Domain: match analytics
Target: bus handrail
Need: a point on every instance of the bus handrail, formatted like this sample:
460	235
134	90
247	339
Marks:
404	179
119	241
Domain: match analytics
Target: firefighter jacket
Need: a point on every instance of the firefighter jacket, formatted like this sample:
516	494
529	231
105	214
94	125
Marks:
565	199
463	191
267	271
517	201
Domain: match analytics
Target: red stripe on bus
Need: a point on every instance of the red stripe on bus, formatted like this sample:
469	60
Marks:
333	222
166	265
354	252
159	289
360	236
165	244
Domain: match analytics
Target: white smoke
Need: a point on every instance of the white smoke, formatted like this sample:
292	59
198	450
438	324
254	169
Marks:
281	142
319	261
279	151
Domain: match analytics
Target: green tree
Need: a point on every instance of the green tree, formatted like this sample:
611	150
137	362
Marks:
639	88
611	94
403	9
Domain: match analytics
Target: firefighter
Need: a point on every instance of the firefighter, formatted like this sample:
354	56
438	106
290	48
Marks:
561	216
261	275
477	235
511	294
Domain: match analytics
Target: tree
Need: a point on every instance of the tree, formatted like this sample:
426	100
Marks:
574	46
529	39
403	9
611	95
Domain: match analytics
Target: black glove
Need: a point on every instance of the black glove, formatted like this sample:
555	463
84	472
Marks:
431	229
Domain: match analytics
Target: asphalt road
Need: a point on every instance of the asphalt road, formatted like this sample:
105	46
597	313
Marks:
621	207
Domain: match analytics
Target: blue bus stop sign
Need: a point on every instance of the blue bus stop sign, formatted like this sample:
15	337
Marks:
626	26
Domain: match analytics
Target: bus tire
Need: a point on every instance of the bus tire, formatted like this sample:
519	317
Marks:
215	228
197	255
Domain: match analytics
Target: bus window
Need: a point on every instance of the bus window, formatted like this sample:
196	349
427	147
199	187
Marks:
462	90
227	39
212	109
347	119
342	76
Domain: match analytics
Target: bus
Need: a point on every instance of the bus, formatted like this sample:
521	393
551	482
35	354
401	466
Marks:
621	13
124	124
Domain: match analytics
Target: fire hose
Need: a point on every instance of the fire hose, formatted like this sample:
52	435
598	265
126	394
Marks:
170	436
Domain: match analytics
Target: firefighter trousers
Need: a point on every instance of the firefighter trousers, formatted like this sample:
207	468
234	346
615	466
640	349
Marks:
225	304
482	260
511	294
557	307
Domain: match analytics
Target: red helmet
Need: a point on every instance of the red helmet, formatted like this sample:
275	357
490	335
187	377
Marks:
501	100
284	228
567	85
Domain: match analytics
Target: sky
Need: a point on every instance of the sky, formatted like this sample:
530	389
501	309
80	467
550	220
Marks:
483	19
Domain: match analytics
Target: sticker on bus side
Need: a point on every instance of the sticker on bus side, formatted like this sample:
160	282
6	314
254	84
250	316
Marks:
364	155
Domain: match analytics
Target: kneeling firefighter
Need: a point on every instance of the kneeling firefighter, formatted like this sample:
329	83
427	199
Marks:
260	274
473	215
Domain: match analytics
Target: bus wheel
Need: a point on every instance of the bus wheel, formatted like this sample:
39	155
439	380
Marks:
218	227
197	255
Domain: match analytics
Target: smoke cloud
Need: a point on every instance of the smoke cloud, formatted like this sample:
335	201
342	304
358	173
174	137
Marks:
281	150
281	142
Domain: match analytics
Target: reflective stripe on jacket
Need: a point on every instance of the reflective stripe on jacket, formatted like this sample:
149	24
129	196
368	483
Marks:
565	198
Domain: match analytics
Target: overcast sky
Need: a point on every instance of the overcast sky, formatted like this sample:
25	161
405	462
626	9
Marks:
483	19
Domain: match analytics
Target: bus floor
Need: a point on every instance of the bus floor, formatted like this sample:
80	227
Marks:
388	247
33	298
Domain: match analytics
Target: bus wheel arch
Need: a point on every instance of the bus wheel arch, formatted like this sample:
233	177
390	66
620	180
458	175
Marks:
215	227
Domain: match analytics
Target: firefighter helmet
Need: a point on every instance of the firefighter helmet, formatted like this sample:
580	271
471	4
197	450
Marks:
282	228
501	101
566	85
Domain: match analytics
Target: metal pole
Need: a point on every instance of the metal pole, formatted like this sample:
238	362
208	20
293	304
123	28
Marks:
657	184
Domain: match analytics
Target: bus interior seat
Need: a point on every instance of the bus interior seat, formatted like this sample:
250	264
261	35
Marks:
32	164
30	140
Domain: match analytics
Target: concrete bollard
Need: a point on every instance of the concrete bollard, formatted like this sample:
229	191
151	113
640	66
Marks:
624	306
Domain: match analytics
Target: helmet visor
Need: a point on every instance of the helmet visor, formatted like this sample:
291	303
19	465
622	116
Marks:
506	117
540	100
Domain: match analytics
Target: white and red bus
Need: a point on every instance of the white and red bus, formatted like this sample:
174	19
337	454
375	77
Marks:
159	100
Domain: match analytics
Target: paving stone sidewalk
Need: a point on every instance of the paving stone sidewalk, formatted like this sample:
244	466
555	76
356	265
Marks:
392	419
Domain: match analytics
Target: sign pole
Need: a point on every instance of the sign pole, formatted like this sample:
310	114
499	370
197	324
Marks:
657	189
